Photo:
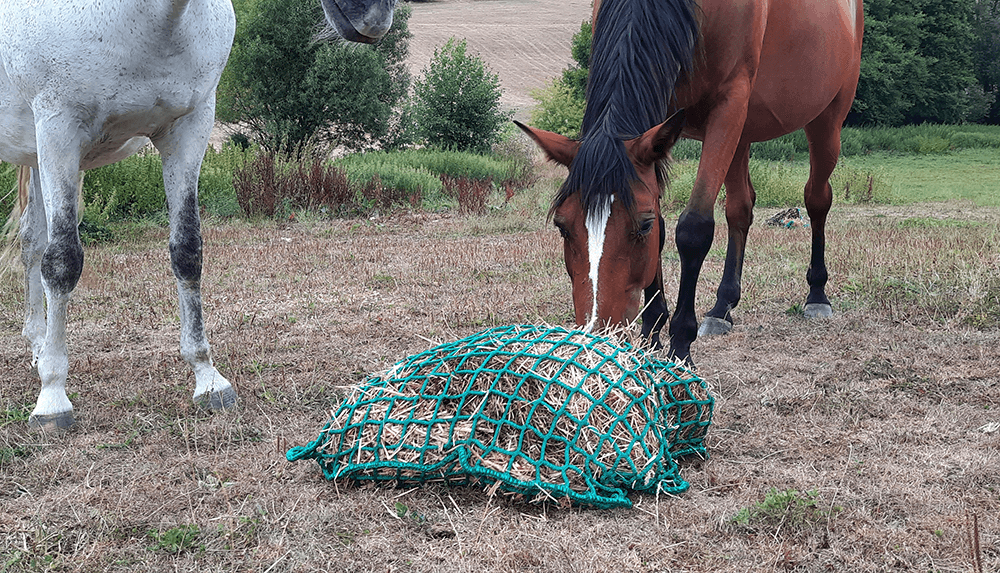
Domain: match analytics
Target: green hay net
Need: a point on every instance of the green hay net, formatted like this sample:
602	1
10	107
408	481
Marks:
540	411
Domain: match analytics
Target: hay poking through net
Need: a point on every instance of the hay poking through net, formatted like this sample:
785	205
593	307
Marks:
540	411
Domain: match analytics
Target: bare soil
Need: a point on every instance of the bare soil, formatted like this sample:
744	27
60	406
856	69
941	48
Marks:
525	42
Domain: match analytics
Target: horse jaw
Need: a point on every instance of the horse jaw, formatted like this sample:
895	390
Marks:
362	21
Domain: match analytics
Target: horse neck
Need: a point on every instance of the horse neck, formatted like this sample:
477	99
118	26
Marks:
640	50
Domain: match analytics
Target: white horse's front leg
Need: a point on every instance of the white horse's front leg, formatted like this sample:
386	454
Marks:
60	267
183	149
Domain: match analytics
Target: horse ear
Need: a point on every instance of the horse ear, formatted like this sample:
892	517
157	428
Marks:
558	148
655	144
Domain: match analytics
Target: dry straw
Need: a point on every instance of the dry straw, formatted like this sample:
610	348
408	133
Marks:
534	410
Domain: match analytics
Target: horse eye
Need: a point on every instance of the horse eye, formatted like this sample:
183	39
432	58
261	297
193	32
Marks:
644	227
563	231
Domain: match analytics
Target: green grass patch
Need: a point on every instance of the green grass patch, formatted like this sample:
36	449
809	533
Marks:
788	510
966	175
180	539
15	414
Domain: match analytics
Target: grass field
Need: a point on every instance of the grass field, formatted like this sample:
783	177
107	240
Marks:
970	175
868	442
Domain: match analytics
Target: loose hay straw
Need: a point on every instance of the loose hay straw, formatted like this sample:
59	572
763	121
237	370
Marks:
534	410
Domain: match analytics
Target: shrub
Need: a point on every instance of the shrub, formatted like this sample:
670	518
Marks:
397	182
8	189
558	109
287	88
457	102
129	189
272	183
471	194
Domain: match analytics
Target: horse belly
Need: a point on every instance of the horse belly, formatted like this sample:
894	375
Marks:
805	62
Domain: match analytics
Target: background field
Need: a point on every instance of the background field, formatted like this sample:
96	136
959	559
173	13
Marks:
884	419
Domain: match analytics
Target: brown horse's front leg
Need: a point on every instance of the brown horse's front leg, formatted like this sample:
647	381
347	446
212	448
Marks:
694	238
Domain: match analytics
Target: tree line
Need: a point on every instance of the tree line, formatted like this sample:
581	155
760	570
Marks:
934	61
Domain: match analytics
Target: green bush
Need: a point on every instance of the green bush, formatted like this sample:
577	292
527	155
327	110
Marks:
457	102
215	183
403	180
129	189
287	88
686	150
437	177
558	109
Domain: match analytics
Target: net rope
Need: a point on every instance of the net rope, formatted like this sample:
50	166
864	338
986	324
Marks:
535	410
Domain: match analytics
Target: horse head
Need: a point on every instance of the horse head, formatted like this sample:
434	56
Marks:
611	226
363	21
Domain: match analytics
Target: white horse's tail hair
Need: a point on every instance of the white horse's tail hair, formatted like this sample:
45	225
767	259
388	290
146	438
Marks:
10	262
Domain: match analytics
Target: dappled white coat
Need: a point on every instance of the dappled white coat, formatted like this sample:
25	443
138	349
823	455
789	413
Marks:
85	83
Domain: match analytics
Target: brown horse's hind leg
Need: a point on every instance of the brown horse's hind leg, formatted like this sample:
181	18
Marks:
823	134
740	199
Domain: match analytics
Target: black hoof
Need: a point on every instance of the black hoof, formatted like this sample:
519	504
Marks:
712	326
213	401
52	422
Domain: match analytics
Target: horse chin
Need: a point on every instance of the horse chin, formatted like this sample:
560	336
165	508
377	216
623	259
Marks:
345	27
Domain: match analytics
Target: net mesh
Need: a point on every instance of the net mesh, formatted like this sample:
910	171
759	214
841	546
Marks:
541	411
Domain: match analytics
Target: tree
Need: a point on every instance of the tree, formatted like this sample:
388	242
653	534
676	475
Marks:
986	54
286	87
916	65
457	102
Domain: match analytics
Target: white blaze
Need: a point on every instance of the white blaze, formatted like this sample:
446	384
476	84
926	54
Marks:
597	226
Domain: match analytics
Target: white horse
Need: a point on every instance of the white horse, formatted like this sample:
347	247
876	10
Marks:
85	83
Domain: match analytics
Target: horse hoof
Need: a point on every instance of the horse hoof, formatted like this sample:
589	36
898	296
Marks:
818	310
712	326
57	423
221	400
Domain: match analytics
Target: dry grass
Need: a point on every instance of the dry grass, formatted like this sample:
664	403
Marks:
884	411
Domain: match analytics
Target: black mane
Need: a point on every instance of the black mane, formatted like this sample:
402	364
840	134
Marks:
640	50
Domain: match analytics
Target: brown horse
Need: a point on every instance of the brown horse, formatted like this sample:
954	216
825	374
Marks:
727	73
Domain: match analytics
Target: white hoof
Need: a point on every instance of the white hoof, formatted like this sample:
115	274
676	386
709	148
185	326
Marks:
818	310
711	326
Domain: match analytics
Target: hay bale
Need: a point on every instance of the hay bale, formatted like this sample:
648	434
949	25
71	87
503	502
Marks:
540	411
